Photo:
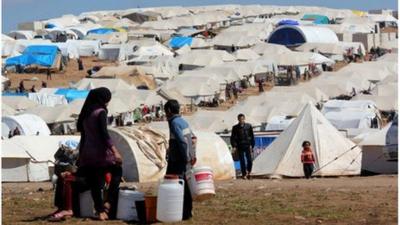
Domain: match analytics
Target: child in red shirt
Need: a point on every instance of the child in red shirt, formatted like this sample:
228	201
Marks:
307	158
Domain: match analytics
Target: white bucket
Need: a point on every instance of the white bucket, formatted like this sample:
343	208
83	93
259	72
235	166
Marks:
201	183
86	204
126	204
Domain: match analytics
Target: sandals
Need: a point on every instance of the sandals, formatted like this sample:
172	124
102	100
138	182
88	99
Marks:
101	216
61	216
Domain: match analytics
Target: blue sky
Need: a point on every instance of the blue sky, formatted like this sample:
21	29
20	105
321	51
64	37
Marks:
17	11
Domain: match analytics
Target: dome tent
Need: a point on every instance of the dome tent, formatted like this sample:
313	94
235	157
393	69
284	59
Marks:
296	35
28	125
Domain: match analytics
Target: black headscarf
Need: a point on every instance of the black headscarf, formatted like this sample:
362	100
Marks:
97	98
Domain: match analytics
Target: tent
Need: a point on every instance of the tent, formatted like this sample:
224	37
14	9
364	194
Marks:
43	55
296	35
7	110
211	150
373	158
72	94
316	18
29	158
50	115
112	84
178	42
282	157
143	151
288	22
18	102
28	125
205	57
101	31
22	34
245	55
266	48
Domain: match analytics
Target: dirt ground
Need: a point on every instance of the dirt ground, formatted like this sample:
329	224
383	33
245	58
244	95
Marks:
345	200
61	78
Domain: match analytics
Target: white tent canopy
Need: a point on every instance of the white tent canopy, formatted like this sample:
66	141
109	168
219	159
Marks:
28	125
112	84
282	157
28	158
18	102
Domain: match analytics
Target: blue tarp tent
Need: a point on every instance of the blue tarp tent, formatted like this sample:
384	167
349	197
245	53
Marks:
102	31
288	22
43	55
72	94
178	42
317	19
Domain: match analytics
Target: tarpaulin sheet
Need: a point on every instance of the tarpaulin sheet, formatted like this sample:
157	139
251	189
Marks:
43	55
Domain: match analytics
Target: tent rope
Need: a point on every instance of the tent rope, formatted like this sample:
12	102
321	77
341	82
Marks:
336	158
352	162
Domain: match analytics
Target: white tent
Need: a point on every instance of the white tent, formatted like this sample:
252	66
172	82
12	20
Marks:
205	57
56	114
211	150
22	34
245	55
373	158
297	58
18	102
282	157
205	88
352	120
339	105
237	39
29	158
384	103
28	125
7	110
112	84
268	48
143	151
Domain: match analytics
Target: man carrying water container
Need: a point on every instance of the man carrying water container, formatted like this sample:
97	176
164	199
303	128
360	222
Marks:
181	154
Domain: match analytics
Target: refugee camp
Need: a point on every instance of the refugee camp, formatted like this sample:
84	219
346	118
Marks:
186	112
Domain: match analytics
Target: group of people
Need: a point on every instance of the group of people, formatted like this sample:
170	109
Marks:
231	90
98	164
21	87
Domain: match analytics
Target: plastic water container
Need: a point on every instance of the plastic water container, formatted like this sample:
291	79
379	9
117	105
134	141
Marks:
201	183
170	199
86	204
126	204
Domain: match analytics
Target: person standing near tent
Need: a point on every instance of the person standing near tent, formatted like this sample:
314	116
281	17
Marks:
97	153
242	141
181	154
307	158
80	64
48	73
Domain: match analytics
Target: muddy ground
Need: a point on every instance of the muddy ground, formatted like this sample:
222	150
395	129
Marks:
346	200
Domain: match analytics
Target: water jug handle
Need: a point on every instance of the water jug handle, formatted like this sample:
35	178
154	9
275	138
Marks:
181	181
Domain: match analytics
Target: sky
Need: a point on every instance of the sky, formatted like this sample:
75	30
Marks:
19	11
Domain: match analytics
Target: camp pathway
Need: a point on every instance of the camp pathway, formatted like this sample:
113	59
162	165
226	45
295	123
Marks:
343	200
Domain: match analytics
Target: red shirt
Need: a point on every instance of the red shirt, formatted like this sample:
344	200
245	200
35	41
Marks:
307	157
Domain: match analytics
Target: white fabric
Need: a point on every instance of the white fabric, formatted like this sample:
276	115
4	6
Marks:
28	125
48	99
29	158
18	102
112	84
282	157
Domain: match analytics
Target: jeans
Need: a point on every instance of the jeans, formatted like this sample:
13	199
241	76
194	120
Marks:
308	169
245	158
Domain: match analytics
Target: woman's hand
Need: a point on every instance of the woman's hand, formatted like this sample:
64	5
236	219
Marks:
118	157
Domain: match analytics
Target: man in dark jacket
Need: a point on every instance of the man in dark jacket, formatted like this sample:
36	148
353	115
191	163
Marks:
181	155
242	140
